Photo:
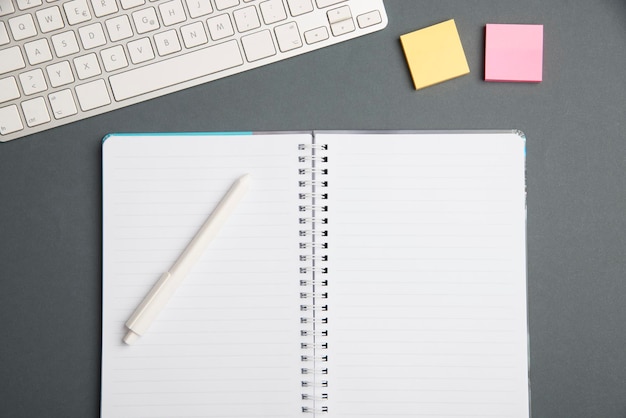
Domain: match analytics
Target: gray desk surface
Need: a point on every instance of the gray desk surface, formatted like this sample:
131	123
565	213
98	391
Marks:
575	121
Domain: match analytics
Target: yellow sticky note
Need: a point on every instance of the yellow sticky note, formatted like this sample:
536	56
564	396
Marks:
434	54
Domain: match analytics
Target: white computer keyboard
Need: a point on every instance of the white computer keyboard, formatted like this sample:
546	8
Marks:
66	60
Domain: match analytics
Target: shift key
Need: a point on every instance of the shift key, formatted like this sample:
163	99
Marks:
11	59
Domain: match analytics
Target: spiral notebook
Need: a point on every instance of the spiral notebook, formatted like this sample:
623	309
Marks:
365	274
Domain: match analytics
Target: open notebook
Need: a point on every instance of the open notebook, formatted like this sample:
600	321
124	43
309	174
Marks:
363	275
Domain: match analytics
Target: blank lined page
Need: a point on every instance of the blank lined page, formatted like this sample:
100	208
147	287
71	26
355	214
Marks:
427	276
226	345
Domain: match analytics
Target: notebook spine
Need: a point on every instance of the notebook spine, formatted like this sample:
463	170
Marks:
313	209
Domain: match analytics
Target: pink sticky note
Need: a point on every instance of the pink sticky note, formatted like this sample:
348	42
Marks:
514	53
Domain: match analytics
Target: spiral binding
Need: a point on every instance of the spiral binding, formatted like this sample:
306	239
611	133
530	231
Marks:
313	211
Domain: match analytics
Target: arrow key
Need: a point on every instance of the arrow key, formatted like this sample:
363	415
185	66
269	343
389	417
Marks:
369	19
316	35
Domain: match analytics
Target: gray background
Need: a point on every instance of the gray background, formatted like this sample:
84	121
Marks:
50	185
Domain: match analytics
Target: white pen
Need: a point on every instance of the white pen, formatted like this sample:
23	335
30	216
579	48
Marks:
157	298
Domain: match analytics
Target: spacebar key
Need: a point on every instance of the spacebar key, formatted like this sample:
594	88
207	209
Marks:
175	70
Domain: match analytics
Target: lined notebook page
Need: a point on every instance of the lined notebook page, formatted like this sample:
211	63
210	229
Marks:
226	345
427	279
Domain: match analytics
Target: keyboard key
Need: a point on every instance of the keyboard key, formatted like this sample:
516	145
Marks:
65	44
114	58
273	11
8	89
172	12
38	51
33	81
22	27
60	74
194	35
87	66
316	35
146	20
175	70
104	7
288	37
199	8
258	45
11	59
343	27
6	7
35	111
92	95
167	42
119	28
92	36
220	27
62	103
299	7
369	19
77	11
140	51
247	19
339	14
49	19
10	120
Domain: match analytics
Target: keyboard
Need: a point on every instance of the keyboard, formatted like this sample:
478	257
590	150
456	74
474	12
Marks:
66	60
